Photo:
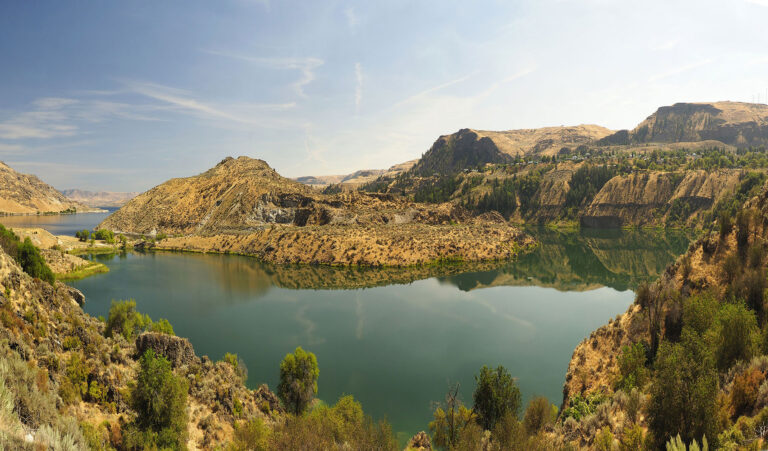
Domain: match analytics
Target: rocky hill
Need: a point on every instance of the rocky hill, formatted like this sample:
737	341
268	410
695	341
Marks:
27	194
98	198
468	148
732	123
242	205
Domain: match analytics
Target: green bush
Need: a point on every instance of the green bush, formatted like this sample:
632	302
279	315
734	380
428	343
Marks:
684	390
632	370
161	326
26	255
496	393
104	234
83	235
159	399
581	406
538	414
123	319
738	335
298	380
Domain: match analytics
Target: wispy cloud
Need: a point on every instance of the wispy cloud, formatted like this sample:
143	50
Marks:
185	102
352	20
358	86
680	69
306	66
432	90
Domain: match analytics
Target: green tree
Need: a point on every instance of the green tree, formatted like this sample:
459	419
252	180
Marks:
160	401
496	393
451	419
738	335
298	380
684	390
32	262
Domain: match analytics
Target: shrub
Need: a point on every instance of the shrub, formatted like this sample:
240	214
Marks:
604	440
738	335
70	343
632	370
632	438
252	435
238	364
75	385
496	393
509	432
298	380
161	326
26	255
160	401
746	386
684	390
104	234
726	225
83	235
580	406
124	320
538	414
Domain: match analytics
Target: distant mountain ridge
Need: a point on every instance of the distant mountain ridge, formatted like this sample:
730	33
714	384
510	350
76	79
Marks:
27	194
356	178
99	198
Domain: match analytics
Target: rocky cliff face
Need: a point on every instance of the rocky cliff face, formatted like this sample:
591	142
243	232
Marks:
733	123
472	148
242	205
27	194
646	198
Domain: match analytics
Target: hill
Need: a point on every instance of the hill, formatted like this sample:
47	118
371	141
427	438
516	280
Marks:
356	178
732	123
27	194
242	205
98	198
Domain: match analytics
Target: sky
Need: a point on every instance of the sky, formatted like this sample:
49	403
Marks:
122	96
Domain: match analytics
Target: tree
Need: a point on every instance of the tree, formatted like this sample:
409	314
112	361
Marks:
83	235
451	419
632	367
496	393
160	401
738	335
684	390
124	320
32	262
298	380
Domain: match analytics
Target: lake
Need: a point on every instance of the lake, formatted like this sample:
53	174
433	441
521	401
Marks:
396	338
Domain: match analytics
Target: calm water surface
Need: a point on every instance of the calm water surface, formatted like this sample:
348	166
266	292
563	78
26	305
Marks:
395	339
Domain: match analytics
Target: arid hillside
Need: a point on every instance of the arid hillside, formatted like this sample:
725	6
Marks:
356	178
27	194
732	123
98	198
242	205
468	148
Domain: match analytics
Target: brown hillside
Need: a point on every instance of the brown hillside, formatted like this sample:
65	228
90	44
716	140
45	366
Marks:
27	194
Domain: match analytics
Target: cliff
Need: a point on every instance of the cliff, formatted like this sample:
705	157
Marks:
27	194
472	148
734	123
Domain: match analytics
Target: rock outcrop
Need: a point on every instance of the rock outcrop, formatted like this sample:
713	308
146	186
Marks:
177	350
419	442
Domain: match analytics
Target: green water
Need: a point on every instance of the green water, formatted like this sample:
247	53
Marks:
395	339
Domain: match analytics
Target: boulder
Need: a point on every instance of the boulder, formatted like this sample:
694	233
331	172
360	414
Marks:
76	295
177	350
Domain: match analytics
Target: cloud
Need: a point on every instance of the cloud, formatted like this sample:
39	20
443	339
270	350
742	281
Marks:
758	2
667	45
306	66
358	85
183	101
679	70
352	20
431	90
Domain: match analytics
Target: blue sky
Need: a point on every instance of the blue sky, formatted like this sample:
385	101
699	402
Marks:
124	95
